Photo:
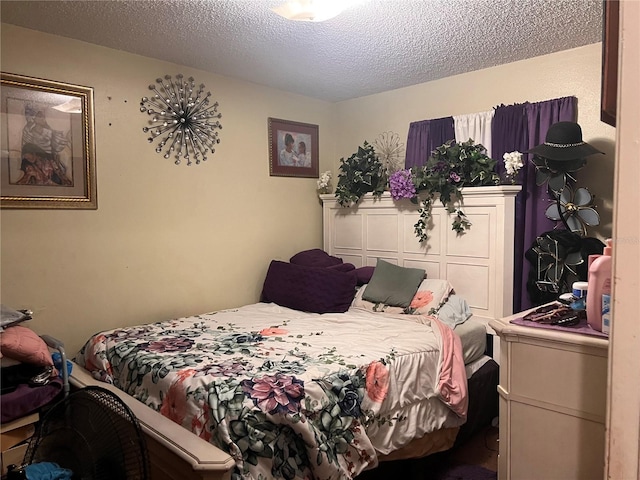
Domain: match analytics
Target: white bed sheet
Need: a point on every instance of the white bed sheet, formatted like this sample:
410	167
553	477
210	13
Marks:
473	335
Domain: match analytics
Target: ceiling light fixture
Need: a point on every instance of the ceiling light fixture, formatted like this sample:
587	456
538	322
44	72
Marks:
311	10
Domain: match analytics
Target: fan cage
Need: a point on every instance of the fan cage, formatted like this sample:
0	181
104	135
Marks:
94	434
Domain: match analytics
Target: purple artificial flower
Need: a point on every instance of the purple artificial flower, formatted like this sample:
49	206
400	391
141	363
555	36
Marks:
275	393
401	185
455	178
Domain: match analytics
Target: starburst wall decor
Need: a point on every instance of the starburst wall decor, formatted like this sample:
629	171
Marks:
390	151
182	119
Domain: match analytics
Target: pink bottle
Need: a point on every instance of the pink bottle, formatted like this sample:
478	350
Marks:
599	283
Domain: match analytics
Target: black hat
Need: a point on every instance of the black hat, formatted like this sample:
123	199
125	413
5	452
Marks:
564	142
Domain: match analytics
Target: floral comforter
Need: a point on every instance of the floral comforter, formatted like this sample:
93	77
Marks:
287	394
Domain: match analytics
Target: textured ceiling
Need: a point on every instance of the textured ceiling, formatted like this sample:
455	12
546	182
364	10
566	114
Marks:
374	46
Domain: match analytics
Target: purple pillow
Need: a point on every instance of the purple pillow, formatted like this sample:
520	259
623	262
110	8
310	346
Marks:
315	258
343	267
309	289
364	274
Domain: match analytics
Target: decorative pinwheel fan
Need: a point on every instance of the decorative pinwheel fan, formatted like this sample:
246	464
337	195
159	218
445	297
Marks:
390	151
574	209
556	265
556	173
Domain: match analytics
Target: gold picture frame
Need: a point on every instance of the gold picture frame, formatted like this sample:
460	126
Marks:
47	159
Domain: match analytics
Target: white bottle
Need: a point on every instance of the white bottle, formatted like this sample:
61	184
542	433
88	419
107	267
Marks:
606	313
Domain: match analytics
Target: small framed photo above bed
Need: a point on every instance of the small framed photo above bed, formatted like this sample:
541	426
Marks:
48	146
293	149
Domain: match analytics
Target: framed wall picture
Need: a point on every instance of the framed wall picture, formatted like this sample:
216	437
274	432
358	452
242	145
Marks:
48	147
293	149
609	93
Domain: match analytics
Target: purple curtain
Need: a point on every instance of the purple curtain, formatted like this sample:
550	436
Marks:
532	221
509	132
424	137
521	127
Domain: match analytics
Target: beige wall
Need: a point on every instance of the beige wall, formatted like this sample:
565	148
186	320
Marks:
172	240
166	240
571	72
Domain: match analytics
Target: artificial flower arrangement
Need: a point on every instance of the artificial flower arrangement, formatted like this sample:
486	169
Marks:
512	165
450	167
324	182
361	173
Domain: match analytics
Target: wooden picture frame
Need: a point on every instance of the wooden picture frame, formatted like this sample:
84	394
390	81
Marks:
293	149
48	147
609	92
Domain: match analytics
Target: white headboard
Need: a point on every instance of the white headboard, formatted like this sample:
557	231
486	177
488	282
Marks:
479	263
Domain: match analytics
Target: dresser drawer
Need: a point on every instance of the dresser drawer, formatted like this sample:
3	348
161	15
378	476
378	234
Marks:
547	445
565	378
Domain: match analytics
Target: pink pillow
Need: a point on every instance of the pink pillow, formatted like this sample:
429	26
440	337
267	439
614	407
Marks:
22	344
431	295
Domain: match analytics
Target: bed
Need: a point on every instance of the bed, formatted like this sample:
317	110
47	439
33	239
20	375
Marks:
284	392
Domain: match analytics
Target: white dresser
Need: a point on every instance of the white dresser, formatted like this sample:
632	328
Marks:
552	403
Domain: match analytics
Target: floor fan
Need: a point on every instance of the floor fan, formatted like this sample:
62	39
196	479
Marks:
93	434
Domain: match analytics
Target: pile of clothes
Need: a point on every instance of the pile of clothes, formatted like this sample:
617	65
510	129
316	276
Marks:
29	379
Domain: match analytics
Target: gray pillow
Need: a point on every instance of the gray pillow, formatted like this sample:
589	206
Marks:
393	285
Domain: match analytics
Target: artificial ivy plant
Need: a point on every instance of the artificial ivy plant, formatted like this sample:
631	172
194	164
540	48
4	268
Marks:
361	173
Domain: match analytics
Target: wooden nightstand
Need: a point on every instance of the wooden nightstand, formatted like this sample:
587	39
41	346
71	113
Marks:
552	403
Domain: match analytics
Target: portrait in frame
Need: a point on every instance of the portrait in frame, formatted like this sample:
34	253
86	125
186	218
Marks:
293	149
48	148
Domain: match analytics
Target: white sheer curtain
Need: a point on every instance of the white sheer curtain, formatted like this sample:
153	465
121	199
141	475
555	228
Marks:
476	126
